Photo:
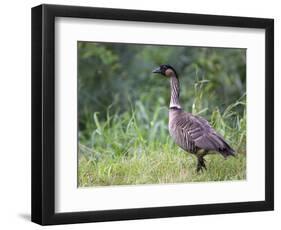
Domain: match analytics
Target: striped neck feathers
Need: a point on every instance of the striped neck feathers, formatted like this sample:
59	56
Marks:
175	92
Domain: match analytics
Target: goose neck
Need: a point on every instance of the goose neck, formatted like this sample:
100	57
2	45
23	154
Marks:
175	92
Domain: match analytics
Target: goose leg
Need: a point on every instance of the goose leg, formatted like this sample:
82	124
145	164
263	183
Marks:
201	163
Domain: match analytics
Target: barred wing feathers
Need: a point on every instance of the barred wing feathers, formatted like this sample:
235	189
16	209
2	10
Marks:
193	133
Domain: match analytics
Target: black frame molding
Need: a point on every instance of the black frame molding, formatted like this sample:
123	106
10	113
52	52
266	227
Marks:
43	110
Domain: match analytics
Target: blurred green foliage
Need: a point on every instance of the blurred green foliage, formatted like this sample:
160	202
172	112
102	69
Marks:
123	107
119	75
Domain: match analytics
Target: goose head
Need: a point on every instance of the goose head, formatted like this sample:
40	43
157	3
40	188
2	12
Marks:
165	70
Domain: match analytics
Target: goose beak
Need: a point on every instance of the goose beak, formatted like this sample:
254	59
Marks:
157	70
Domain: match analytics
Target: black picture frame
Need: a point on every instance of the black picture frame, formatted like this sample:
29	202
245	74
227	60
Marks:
43	110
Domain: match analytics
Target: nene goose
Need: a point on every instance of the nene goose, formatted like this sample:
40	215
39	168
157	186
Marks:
192	133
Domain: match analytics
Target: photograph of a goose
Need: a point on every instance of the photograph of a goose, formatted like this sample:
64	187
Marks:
192	133
160	114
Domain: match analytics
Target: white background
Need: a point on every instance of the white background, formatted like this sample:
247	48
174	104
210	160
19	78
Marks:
15	115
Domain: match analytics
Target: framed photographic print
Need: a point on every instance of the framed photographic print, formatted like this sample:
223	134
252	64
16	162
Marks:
143	114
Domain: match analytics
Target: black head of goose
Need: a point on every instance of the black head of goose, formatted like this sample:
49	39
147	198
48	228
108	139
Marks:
192	133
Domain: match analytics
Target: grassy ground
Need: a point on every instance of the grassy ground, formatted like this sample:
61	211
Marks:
163	166
135	148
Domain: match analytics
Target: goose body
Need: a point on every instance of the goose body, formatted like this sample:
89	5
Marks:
192	133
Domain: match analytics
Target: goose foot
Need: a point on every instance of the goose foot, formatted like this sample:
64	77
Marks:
201	164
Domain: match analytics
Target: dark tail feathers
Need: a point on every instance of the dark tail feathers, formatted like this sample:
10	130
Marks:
227	150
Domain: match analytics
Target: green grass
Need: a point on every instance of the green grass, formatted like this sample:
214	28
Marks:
158	167
134	147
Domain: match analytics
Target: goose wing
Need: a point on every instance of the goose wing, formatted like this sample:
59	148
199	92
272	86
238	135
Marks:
199	134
